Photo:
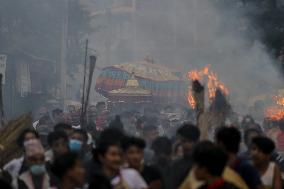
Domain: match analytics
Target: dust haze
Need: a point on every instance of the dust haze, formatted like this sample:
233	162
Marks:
189	34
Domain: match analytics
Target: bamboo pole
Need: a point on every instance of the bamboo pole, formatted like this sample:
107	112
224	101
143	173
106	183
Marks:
84	83
93	60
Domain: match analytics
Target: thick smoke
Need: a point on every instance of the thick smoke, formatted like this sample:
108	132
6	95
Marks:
225	38
190	34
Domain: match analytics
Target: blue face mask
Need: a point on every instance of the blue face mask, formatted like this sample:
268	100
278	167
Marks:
75	145
38	169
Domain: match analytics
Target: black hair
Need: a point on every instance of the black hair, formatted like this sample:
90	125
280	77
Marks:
127	142
248	132
64	163
211	157
230	138
189	132
111	134
109	137
56	135
21	138
264	144
62	127
81	132
162	146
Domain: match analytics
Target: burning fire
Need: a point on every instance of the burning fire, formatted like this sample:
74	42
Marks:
191	100
276	112
280	100
213	83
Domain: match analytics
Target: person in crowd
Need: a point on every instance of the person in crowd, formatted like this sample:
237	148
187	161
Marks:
162	147
133	151
69	169
280	137
64	127
210	162
58	143
89	148
229	139
36	176
44	127
109	156
18	166
91	123
228	174
177	151
93	167
116	123
4	184
139	126
57	116
78	141
260	151
252	133
150	133
188	135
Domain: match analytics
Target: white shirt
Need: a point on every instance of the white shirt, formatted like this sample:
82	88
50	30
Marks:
268	177
132	178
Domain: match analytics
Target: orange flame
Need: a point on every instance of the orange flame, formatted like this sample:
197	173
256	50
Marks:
276	112
213	84
191	99
280	100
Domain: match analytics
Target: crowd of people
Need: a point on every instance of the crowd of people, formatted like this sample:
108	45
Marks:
237	157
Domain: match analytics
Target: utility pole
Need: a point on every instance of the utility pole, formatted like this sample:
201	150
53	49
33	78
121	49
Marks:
64	33
108	33
134	25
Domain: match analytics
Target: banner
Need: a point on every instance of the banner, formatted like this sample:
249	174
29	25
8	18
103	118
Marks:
3	60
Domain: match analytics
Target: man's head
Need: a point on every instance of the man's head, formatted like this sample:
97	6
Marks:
209	161
229	139
63	127
34	155
249	135
69	167
110	155
78	140
188	134
109	152
58	115
26	135
58	142
133	151
162	147
150	133
261	149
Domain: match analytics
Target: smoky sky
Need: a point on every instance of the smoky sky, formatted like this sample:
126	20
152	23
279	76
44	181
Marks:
190	34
